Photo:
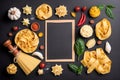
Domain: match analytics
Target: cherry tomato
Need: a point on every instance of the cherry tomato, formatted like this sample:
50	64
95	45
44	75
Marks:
42	65
77	8
84	8
15	28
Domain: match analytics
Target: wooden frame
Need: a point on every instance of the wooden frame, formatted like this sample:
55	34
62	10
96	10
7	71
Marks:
73	40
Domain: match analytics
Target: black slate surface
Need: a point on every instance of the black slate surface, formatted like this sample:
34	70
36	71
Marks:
59	40
6	25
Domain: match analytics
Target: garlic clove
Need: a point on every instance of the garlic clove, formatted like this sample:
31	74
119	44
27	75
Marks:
108	47
12	17
15	18
38	54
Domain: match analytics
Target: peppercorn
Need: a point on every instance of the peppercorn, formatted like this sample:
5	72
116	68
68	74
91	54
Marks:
99	42
41	47
10	34
92	21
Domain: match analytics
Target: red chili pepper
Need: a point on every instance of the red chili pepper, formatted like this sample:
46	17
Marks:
82	19
79	22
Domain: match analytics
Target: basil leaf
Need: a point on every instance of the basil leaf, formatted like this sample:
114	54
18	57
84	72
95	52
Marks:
101	7
73	67
76	69
109	12
80	68
110	6
79	47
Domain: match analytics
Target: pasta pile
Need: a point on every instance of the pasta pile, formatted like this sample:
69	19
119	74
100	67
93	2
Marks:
44	11
103	29
96	60
27	40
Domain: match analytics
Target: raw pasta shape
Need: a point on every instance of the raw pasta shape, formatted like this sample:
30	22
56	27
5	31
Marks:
97	60
27	40
103	29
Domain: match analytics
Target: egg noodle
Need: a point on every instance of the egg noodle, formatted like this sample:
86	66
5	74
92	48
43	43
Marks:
103	29
27	40
96	60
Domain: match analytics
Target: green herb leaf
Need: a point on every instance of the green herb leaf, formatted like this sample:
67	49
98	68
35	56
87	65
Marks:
79	47
80	68
109	12
110	6
73	67
101	7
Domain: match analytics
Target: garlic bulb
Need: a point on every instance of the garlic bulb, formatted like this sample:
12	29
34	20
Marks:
108	47
14	13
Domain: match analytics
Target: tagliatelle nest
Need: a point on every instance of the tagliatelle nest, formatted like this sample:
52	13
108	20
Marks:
97	60
27	40
103	29
44	11
61	11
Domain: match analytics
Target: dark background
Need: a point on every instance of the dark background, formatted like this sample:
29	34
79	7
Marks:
6	26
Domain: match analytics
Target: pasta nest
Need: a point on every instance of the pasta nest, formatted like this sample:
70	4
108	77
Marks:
44	11
103	29
27	40
96	60
94	11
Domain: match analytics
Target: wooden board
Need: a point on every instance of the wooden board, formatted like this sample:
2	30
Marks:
59	40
